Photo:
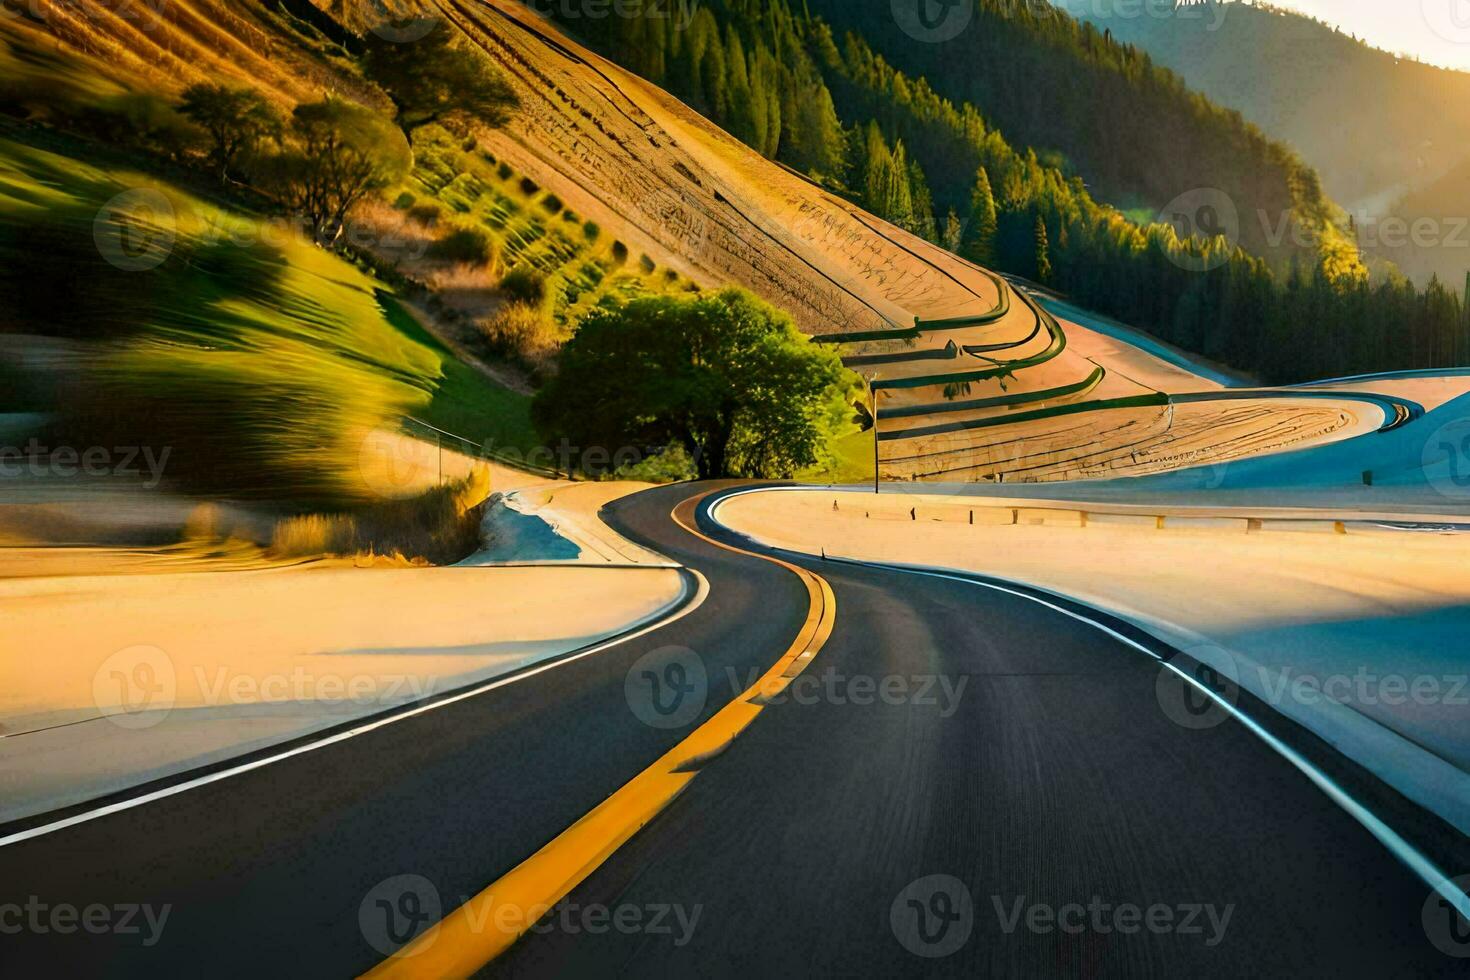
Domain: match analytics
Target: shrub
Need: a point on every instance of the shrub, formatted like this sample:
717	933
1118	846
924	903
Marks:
525	285
590	231
440	525
529	187
426	214
619	253
551	203
403	201
204	524
503	171
520	331
646	264
141	121
669	465
470	246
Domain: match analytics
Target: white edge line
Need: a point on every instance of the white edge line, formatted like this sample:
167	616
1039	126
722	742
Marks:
701	593
1386	835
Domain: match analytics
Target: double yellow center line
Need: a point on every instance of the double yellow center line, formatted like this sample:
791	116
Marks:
474	934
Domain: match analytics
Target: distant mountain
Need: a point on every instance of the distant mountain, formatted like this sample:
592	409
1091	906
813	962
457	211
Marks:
1141	139
1389	135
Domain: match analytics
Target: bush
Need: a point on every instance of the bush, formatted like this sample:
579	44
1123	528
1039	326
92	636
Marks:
525	285
529	187
590	231
520	331
470	246
670	465
141	121
426	214
503	171
440	525
551	203
403	201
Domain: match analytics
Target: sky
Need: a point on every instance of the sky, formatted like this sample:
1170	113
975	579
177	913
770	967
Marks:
1435	31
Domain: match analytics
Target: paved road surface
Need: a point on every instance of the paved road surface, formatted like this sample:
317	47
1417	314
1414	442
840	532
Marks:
1023	754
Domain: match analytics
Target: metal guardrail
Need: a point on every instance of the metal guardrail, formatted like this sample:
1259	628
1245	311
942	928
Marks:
482	451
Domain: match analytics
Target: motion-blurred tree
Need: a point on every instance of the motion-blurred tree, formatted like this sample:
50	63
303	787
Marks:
337	153
238	121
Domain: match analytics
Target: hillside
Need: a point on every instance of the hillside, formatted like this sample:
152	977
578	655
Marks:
1129	128
1389	135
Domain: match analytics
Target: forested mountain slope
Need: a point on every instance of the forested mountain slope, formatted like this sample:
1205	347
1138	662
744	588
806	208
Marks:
1390	135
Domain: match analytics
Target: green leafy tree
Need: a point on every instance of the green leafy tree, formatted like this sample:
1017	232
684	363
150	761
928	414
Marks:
437	78
723	375
238	121
338	152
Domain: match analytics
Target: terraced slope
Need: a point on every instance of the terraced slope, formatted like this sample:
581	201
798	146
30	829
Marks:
974	380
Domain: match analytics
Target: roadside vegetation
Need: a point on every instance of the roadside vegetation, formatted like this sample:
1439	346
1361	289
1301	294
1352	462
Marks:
440	525
182	261
723	377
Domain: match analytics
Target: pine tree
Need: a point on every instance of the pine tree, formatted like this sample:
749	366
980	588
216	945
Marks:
953	232
922	222
1043	253
980	247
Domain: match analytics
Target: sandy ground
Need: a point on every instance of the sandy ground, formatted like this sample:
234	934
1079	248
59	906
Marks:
193	652
176	671
1356	634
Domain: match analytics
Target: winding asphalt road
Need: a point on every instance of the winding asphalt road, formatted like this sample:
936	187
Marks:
944	729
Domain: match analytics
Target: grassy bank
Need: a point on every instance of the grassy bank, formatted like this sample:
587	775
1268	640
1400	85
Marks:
187	322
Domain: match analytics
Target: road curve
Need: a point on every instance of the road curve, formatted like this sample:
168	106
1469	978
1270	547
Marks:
1020	752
